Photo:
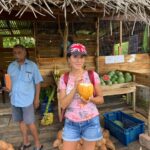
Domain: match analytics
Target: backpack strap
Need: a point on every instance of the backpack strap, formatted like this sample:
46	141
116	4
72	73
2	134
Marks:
66	77
92	79
91	76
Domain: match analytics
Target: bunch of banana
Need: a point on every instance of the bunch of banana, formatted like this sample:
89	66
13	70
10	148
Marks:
56	74
47	119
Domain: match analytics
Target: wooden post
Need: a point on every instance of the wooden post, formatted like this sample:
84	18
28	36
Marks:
35	33
1	41
148	40
97	48
65	39
120	46
149	117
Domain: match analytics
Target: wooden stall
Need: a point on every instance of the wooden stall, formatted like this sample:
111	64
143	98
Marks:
106	28
48	65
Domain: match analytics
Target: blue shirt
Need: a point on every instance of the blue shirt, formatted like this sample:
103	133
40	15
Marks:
23	78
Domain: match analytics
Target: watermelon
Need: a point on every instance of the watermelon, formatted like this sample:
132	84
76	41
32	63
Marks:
111	73
121	79
119	123
106	77
109	82
119	73
115	82
103	83
113	79
128	78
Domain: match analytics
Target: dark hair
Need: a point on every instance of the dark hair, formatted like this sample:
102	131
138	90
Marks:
68	55
20	46
23	48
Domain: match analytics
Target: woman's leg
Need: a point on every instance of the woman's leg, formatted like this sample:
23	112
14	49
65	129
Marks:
88	145
67	145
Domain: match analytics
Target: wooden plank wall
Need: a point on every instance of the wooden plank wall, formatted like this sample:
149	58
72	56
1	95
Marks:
7	56
47	66
143	79
51	45
141	64
49	41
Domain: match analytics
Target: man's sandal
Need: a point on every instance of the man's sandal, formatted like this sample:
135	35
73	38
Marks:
40	148
24	147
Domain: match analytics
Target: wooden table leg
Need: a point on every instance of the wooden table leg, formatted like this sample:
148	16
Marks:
128	98
134	100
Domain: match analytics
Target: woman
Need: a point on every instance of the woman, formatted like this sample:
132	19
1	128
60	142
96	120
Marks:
81	117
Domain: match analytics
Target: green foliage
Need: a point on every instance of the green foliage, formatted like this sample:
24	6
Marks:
9	42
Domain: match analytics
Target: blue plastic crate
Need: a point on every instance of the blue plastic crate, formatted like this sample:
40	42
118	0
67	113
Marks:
130	130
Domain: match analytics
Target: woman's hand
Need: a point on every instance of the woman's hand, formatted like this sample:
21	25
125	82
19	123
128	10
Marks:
78	80
86	101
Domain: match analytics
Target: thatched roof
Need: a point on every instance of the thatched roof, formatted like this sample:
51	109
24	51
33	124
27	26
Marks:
139	9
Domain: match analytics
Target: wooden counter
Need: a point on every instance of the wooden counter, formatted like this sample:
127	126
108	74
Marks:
124	88
117	89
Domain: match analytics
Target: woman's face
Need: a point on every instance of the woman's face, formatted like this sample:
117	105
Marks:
76	62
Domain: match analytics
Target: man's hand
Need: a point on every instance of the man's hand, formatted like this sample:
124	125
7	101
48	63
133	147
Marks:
36	103
5	89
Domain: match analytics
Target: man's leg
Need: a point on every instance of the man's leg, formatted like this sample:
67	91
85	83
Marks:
35	135
24	131
29	119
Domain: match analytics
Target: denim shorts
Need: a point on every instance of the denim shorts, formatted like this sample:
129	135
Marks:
89	130
25	114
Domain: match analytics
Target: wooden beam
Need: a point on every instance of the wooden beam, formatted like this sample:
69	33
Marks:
20	35
10	49
120	18
28	16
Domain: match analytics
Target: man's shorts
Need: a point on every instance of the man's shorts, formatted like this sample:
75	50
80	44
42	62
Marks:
89	130
25	114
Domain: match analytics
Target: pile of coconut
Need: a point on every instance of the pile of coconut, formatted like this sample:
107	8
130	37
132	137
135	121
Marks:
103	144
6	146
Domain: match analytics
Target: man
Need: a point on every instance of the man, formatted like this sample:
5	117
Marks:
24	94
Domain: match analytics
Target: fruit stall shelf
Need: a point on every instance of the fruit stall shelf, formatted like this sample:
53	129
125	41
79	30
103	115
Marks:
123	88
140	78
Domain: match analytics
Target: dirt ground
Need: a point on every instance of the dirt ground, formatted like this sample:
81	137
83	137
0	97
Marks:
9	130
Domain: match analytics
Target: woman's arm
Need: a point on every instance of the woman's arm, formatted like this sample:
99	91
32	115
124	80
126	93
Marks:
98	99
64	99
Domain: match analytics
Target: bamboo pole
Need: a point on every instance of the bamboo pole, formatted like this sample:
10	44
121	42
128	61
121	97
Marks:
149	117
35	38
148	40
120	45
97	48
65	39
